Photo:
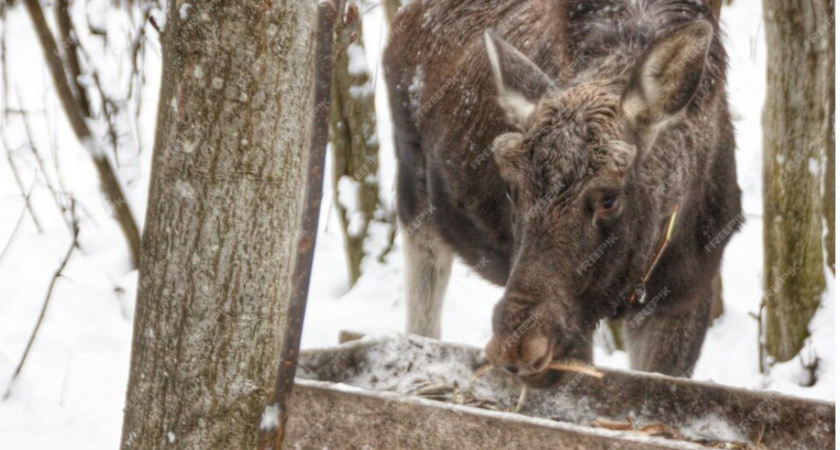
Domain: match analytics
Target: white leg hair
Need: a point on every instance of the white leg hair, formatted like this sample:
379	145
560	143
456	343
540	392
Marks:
428	263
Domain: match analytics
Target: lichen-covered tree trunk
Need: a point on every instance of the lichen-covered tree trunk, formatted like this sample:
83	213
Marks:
354	140
797	122
228	172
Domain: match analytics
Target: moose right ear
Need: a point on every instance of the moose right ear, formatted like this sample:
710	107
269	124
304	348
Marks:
519	82
667	78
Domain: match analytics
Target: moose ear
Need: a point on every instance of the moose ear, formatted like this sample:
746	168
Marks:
519	82
667	79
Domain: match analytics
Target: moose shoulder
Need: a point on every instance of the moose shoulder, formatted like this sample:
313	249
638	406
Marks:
553	145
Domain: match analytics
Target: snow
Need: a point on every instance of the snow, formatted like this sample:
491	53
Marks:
270	418
349	192
184	10
74	381
357	60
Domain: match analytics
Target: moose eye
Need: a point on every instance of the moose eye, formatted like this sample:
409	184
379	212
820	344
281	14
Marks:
609	202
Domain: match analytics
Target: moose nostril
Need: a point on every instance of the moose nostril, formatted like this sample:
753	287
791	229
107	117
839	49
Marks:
512	369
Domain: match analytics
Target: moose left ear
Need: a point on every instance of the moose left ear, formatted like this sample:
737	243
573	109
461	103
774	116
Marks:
667	79
519	82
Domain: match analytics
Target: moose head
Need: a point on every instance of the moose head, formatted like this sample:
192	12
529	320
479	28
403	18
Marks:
585	224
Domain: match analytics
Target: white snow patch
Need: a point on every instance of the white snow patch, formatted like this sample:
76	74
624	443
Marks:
184	10
361	91
357	64
714	428
270	419
349	191
170	436
349	197
813	166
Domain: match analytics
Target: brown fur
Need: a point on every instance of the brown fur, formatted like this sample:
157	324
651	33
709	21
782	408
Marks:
625	100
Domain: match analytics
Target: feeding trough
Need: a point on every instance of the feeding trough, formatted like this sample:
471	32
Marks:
400	391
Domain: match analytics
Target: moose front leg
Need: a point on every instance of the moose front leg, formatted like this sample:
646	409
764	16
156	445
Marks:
428	263
666	337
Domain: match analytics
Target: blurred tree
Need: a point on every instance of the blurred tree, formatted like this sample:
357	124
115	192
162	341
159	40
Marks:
355	143
798	137
76	108
392	7
222	223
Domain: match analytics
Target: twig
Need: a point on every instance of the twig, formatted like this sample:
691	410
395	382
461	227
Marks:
19	182
271	437
481	371
55	278
523	394
577	368
17	227
33	147
108	178
609	424
566	366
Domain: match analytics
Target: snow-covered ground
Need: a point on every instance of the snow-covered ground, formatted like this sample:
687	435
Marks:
71	391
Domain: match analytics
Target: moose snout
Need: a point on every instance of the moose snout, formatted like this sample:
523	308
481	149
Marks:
526	356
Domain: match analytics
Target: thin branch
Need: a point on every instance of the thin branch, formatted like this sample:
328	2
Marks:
55	278
16	229
19	182
110	183
33	147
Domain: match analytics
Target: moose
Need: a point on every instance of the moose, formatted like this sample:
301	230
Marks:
579	153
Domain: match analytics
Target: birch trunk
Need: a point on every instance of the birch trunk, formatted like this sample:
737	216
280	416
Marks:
798	125
225	200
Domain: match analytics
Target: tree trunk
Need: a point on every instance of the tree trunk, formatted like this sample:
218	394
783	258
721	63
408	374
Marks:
392	7
828	186
797	137
354	140
225	199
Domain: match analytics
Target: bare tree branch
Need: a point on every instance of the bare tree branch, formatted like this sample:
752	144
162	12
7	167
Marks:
17	227
19	182
69	45
38	323
110	183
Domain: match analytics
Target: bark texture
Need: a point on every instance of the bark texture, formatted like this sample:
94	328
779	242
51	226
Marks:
354	140
798	125
226	193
